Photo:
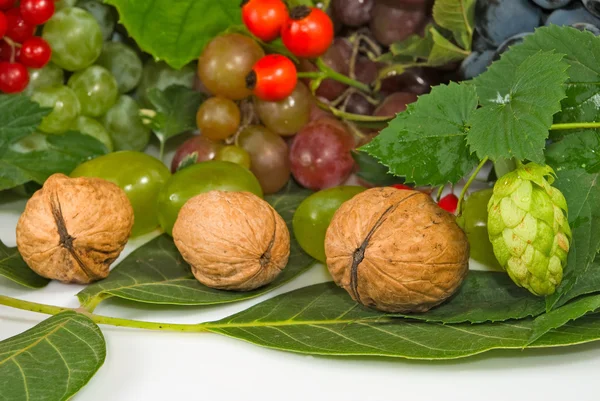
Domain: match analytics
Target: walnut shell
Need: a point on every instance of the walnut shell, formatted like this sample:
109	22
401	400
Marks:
232	240
396	250
74	228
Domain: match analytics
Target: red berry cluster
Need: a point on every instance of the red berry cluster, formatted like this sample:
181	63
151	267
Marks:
307	32
19	48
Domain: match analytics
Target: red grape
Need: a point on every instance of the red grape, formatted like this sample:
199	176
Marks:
353	12
391	24
358	104
394	104
195	150
415	80
320	154
337	58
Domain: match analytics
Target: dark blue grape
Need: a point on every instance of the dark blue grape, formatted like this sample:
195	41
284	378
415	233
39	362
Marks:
573	14
552	4
584	26
593	6
480	44
513	40
498	20
475	64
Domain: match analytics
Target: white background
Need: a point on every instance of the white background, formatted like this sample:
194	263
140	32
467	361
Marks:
142	365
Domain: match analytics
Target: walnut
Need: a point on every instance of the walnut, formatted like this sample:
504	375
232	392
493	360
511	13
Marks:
232	240
396	250
74	228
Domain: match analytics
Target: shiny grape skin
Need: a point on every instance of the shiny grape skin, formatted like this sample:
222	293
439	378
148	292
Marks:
125	126
45	77
498	20
416	80
358	104
124	63
512	41
105	15
593	6
584	26
320	154
218	118
572	14
391	24
96	89
552	4
91	127
286	117
353	12
269	154
65	106
394	104
337	58
198	147
234	154
475	64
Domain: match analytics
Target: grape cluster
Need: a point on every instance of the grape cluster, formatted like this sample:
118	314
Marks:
501	24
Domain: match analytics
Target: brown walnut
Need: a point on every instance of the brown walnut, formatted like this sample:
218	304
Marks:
396	250
232	240
74	228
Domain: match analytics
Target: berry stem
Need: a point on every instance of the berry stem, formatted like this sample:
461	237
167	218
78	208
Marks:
468	184
330	73
567	126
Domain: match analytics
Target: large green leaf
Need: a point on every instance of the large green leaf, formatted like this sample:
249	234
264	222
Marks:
156	273
51	361
582	191
458	17
519	99
19	117
426	143
176	31
13	267
62	155
577	150
323	320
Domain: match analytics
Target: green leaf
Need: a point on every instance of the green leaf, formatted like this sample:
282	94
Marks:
443	50
561	316
582	192
370	170
414	47
13	267
63	154
176	109
426	144
51	361
588	282
19	117
485	297
176	31
519	101
457	16
577	150
157	274
583	330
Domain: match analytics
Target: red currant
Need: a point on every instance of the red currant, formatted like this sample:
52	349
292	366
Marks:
272	78
308	32
14	77
36	12
8	52
35	52
402	186
17	29
264	18
7	4
449	203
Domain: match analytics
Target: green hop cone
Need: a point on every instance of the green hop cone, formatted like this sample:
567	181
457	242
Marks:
528	228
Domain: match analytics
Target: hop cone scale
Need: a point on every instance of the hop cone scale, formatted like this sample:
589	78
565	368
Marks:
529	229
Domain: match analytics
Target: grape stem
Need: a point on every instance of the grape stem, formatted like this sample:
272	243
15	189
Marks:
468	184
327	72
567	126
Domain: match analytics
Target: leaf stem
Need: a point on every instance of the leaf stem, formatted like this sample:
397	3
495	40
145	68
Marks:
567	126
468	184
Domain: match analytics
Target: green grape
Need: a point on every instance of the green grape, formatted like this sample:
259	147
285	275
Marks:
91	127
105	15
65	110
96	90
124	64
159	75
314	214
75	38
225	63
200	178
45	77
287	116
218	118
474	221
125	126
60	4
234	154
32	142
141	177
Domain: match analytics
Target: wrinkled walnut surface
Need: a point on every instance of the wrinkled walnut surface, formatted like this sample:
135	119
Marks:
232	240
396	250
74	228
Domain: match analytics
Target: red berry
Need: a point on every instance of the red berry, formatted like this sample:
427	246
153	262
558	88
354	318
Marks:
272	78
35	52
6	4
402	186
449	203
6	51
3	24
264	18
14	77
308	32
37	12
18	30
